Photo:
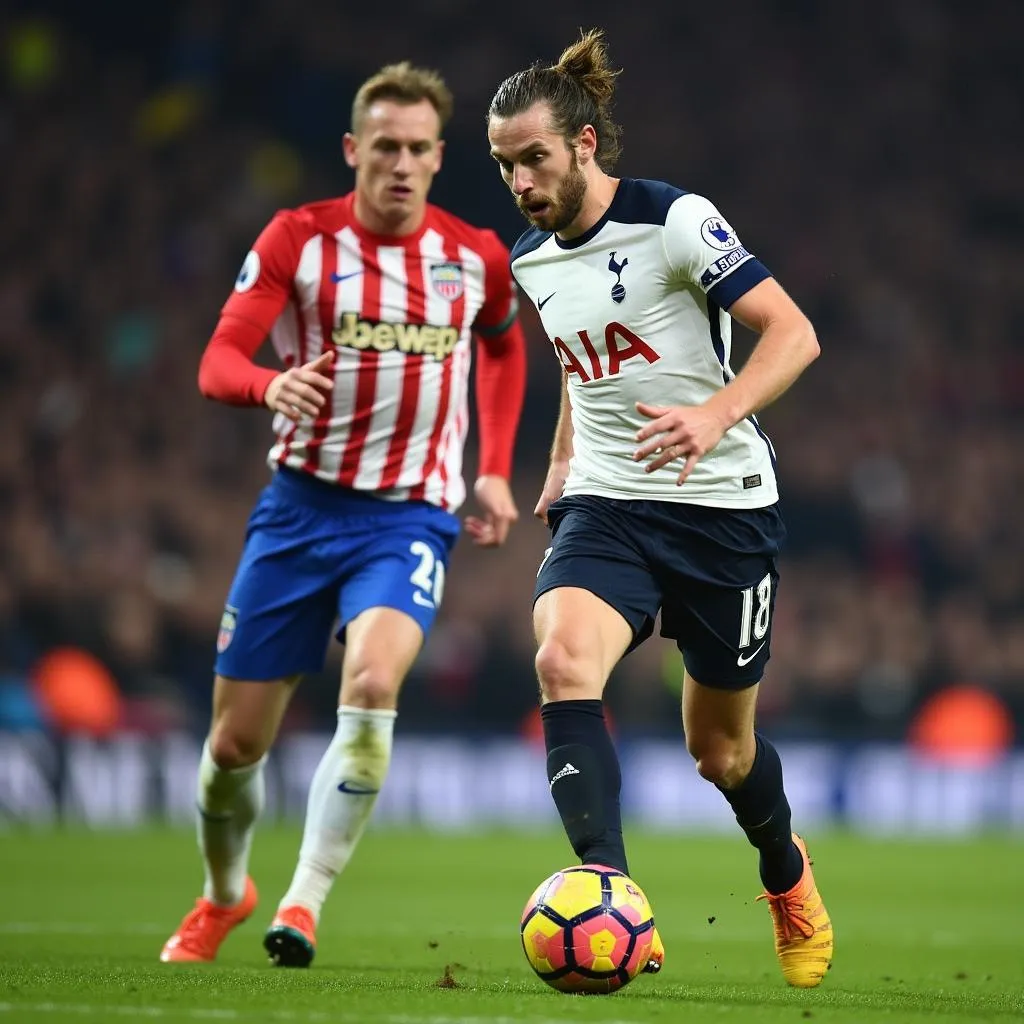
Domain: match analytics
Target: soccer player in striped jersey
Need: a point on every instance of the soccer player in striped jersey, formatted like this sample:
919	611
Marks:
371	301
661	494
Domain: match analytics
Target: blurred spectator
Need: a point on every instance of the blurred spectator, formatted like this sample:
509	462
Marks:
962	725
77	693
867	160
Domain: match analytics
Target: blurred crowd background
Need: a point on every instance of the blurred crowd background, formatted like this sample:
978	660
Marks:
874	163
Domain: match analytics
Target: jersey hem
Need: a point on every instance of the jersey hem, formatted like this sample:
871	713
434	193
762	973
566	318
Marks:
707	500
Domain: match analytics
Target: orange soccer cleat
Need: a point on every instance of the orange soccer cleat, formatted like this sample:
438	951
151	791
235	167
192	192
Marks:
657	957
205	927
291	938
803	931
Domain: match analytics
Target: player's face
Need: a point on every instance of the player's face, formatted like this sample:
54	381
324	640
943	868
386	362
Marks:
543	172
396	153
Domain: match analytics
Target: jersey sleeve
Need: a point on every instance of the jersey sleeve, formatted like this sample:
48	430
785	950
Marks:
501	302
265	281
703	249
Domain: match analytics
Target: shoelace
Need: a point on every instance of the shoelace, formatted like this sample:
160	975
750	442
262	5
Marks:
192	930
789	915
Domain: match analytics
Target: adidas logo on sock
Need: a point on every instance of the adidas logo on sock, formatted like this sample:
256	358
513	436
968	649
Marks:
562	772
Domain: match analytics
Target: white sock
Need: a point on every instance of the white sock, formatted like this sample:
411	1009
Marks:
228	802
341	799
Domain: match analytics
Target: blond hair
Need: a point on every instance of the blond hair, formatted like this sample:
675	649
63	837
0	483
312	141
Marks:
403	83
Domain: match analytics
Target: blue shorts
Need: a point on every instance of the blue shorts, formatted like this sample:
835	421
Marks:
316	555
709	571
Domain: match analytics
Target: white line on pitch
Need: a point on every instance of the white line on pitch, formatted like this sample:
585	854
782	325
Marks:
308	1017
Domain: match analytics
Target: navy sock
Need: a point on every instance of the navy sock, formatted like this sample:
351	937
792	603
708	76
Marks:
762	811
583	770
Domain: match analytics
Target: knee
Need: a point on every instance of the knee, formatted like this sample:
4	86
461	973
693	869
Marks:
370	687
721	760
563	675
232	748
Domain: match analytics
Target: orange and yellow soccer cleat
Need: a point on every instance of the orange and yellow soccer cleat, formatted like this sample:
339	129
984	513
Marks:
657	958
291	938
803	931
205	927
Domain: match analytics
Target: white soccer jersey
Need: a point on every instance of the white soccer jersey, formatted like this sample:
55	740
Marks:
636	311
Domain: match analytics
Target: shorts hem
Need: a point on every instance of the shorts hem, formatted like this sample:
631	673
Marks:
343	623
732	685
640	634
262	676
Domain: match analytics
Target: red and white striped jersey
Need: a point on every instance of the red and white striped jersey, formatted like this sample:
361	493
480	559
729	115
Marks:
398	313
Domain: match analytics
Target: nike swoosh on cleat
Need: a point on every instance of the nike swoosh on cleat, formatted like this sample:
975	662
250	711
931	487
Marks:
338	278
541	303
741	661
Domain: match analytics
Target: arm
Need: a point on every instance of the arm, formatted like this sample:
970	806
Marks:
786	347
561	446
702	248
561	453
227	372
500	386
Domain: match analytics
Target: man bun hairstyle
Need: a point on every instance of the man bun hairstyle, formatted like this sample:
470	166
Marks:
579	90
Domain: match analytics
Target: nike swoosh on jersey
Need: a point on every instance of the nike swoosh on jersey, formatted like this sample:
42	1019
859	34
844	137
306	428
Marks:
741	661
355	789
338	278
541	303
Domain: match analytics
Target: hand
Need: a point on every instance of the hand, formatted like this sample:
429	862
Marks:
677	432
301	390
554	484
495	498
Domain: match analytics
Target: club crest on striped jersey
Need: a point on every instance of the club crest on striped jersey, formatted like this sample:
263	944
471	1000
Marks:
446	280
228	621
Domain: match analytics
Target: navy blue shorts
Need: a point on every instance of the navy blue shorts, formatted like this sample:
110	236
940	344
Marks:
710	572
317	555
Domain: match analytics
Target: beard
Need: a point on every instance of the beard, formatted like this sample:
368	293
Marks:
566	204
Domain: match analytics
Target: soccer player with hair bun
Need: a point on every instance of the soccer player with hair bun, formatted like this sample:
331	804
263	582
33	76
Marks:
661	496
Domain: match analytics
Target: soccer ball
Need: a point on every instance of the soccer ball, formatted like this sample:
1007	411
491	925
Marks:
587	929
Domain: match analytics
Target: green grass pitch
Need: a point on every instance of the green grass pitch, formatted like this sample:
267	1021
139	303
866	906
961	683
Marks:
423	929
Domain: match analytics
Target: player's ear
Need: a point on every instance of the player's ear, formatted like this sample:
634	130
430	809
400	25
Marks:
349	146
438	155
586	144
